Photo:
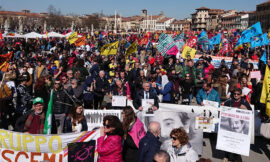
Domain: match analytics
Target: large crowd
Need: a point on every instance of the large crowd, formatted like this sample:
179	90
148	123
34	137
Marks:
81	78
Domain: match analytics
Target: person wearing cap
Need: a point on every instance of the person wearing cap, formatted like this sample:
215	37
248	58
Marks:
35	121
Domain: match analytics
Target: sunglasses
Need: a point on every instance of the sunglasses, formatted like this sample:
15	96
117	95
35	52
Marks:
237	94
174	138
106	126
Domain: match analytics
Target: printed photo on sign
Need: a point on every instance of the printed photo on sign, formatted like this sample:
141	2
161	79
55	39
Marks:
234	125
234	133
147	104
169	120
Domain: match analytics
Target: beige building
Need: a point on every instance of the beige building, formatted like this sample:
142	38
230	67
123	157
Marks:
200	18
180	25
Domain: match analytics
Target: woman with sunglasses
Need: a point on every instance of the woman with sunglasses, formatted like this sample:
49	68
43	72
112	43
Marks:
109	144
180	149
133	133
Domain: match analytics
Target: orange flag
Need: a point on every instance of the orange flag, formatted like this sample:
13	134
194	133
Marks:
80	41
4	61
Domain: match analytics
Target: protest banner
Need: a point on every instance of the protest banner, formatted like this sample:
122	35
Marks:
26	147
234	132
216	61
119	101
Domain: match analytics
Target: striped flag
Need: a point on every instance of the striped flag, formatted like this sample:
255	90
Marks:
48	119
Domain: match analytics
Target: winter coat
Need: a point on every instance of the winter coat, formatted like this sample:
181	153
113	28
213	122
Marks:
166	92
148	147
101	84
109	149
68	125
137	102
230	103
61	102
186	154
212	96
131	144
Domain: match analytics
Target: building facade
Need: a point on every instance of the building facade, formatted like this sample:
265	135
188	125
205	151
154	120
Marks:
199	19
263	15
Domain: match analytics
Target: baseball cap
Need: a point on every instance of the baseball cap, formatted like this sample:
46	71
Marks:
38	100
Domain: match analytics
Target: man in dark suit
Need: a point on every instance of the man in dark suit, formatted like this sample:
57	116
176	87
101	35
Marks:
146	93
101	86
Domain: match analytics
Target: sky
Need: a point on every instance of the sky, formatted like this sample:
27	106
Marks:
172	8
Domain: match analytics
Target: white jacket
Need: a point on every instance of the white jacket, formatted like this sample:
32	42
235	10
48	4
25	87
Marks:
187	154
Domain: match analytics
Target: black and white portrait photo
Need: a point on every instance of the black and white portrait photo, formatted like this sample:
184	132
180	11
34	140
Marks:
234	125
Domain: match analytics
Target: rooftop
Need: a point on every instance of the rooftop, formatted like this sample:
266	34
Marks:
22	13
203	8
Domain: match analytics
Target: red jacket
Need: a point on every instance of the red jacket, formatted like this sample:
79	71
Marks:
109	149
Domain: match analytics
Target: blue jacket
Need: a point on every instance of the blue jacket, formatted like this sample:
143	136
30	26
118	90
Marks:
149	145
166	92
212	96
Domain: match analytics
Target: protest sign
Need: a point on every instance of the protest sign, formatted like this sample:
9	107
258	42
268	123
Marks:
255	74
119	101
234	131
147	103
94	118
82	151
210	103
205	123
27	147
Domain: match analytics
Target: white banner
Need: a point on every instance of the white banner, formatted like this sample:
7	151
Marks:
234	131
14	145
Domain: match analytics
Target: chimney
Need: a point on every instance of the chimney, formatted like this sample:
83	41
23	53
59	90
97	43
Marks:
144	13
26	11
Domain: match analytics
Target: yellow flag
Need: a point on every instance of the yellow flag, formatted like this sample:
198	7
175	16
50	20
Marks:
109	49
265	97
72	38
188	51
132	48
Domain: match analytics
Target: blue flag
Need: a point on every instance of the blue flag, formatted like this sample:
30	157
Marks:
215	40
263	58
262	40
253	31
203	38
148	45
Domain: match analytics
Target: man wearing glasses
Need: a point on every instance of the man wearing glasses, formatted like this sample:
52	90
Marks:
61	104
237	101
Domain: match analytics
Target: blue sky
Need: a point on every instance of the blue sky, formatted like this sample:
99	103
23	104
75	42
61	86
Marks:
172	8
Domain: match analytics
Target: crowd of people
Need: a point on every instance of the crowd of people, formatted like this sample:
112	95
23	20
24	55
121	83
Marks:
81	78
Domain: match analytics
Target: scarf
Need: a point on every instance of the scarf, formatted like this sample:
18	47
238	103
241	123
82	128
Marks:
30	119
